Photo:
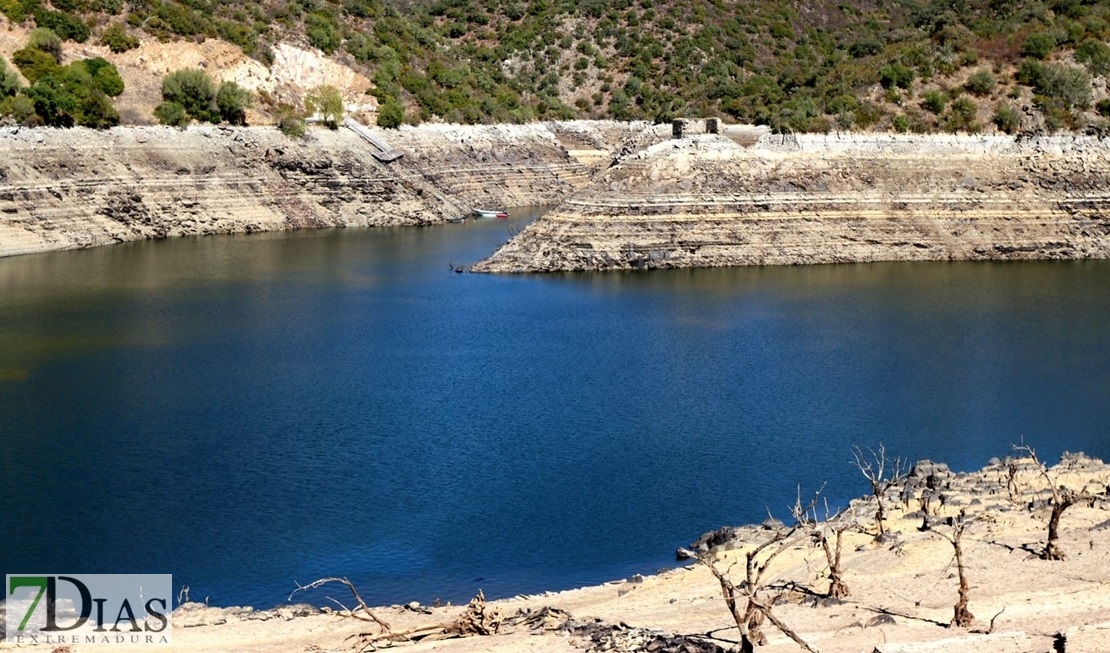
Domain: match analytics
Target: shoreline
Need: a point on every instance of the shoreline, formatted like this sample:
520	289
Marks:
627	195
902	588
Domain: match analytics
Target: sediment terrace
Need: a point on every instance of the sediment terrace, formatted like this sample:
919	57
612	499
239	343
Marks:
77	188
706	200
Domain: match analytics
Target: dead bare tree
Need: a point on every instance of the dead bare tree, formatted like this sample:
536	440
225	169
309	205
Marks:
961	616
1063	497
829	535
363	612
756	608
882	473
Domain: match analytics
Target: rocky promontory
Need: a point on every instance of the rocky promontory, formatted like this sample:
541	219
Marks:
709	200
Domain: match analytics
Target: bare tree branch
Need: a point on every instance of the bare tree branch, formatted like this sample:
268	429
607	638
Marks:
370	616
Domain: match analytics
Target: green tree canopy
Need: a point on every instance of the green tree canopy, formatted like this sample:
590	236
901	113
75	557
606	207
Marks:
194	91
326	101
233	101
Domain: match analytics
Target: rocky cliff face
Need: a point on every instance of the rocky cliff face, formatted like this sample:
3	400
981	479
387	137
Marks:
65	189
709	201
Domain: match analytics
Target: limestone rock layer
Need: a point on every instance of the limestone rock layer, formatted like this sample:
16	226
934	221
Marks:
77	188
709	201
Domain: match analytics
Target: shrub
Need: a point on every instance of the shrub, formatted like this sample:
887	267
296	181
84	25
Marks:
901	123
1006	118
34	63
866	46
326	101
21	109
961	116
322	32
1103	108
9	80
45	40
233	101
391	113
1066	86
54	103
194	91
103	75
981	82
1039	45
896	74
171	113
67	26
290	123
1095	55
118	39
935	101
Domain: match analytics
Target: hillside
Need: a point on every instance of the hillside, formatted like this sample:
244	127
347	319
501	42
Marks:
944	65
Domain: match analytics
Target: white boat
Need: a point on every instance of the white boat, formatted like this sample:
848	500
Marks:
486	213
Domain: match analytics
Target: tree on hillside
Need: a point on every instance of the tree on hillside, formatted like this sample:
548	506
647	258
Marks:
233	101
326	101
193	91
63	96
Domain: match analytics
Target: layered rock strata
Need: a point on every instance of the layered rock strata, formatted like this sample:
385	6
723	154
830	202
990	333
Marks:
709	201
77	188
66	189
493	166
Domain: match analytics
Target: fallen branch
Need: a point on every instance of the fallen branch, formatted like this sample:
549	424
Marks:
347	612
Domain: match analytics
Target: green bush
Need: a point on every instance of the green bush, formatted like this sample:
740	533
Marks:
233	101
901	123
1006	118
118	39
21	109
961	116
103	75
935	101
1095	55
291	123
34	63
9	80
1064	86
1039	45
46	41
1103	108
896	74
322	32
67	26
194	91
391	113
171	113
982	82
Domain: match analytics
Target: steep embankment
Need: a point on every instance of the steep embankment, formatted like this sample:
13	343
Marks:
709	201
66	189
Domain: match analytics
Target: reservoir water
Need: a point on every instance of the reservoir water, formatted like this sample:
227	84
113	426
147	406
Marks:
246	412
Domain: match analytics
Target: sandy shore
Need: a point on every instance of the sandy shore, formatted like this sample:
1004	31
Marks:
902	590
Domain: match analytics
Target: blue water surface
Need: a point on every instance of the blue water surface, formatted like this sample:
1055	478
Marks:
248	412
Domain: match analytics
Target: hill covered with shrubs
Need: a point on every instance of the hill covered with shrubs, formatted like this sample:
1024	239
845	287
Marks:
907	65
